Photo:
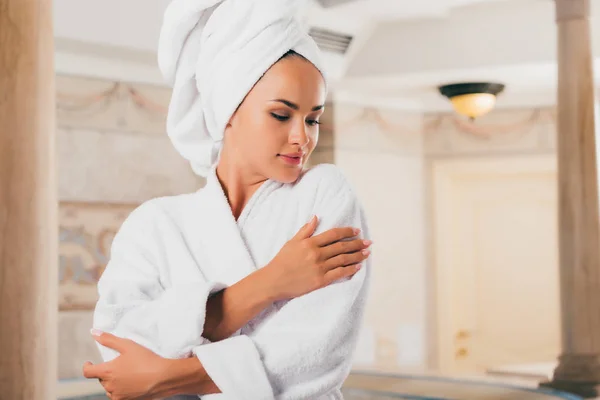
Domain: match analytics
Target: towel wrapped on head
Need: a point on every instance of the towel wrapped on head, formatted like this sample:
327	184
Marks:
213	52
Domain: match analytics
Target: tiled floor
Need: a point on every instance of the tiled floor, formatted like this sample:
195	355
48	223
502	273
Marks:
375	386
434	388
98	397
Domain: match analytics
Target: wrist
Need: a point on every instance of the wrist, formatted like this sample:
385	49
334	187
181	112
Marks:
180	376
266	287
267	290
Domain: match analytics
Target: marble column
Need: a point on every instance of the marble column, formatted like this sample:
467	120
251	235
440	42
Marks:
28	202
579	223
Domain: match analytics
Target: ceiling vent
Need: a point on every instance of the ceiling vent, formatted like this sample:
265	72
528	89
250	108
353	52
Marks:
333	3
331	41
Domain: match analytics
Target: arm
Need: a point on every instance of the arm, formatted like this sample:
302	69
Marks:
304	350
134	304
138	310
185	376
232	308
140	373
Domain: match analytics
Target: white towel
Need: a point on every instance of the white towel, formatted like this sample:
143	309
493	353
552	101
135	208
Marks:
213	52
172	252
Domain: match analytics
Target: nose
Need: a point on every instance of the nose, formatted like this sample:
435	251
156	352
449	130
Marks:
299	136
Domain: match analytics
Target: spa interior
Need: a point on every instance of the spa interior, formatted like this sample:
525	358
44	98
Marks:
467	128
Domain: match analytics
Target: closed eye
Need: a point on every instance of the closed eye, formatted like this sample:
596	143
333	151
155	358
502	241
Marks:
280	117
311	122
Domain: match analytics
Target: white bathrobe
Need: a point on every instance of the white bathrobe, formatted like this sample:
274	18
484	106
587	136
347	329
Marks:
173	252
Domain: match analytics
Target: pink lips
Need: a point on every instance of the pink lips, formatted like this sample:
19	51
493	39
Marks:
294	159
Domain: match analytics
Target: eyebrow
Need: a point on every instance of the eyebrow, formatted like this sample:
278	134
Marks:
295	106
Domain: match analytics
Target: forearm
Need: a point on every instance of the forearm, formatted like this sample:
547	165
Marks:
281	358
233	307
185	377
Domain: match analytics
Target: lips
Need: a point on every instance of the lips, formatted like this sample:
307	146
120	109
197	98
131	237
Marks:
295	158
292	155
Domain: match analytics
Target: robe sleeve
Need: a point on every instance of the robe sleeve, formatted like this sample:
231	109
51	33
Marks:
134	301
304	350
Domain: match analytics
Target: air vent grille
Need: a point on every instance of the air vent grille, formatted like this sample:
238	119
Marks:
333	3
331	41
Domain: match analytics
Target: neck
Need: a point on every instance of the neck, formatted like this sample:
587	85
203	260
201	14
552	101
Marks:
238	185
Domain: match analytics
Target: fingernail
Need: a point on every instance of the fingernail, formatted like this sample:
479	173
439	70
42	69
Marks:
356	231
367	242
366	252
96	332
358	266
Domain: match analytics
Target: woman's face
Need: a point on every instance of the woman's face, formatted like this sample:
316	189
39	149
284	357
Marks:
275	129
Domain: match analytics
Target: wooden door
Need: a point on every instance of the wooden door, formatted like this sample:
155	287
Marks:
496	262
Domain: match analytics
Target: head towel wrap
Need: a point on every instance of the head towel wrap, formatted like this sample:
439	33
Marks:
212	53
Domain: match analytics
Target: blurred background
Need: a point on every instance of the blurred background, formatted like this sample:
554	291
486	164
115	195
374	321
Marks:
459	183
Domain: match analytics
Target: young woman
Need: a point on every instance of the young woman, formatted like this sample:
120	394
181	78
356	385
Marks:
254	286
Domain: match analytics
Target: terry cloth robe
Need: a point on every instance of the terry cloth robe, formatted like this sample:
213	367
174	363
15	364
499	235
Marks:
173	252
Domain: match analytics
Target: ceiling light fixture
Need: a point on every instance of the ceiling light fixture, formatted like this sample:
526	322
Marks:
472	99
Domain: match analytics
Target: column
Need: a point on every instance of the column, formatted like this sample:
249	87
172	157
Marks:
28	202
579	223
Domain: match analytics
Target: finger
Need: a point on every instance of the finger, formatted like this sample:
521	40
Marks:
307	229
341	273
335	235
110	341
91	371
108	386
343	247
344	260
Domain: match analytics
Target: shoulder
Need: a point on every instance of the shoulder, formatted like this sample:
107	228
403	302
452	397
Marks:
157	212
334	199
326	178
327	185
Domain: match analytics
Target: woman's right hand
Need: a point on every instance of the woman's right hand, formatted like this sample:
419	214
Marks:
308	263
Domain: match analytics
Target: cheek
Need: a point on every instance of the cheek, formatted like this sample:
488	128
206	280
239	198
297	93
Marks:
257	130
266	139
314	140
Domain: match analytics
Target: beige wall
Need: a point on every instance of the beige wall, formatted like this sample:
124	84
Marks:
521	135
381	152
389	154
501	133
112	145
113	153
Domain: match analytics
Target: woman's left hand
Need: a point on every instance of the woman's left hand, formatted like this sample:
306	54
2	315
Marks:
133	375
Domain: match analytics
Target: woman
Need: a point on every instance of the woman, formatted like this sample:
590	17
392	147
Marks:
235	292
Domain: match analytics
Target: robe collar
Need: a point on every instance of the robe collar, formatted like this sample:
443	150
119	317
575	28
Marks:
221	236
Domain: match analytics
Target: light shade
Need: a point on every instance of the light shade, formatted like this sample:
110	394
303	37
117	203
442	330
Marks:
472	99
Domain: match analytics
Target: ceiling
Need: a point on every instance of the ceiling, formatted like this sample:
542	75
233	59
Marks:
135	23
401	49
353	17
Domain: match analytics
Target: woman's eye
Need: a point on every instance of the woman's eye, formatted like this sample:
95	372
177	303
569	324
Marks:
313	122
280	117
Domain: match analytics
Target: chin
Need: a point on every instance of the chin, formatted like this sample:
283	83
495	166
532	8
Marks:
287	175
